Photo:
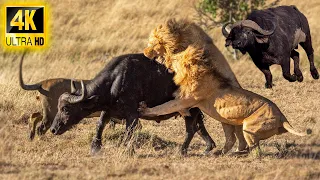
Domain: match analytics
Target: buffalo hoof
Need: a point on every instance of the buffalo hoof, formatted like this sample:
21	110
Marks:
206	152
315	74
292	78
184	152
268	86
95	146
31	135
300	78
209	148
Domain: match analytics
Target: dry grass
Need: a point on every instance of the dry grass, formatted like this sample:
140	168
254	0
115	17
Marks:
82	41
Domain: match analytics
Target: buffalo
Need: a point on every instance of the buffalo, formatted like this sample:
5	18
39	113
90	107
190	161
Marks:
117	90
49	93
270	37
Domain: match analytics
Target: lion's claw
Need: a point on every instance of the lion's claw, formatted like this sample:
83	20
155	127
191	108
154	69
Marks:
142	107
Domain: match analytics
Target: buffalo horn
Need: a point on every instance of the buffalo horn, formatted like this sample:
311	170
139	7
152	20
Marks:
255	26
76	99
224	30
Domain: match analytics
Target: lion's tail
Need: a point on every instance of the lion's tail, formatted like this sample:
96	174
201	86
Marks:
290	129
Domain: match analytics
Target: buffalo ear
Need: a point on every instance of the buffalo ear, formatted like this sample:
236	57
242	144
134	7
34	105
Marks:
262	39
229	39
243	52
228	42
91	101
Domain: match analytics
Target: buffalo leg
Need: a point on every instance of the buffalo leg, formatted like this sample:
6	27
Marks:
295	56
131	124
130	127
202	131
194	123
267	73
286	71
313	69
96	142
307	46
190	131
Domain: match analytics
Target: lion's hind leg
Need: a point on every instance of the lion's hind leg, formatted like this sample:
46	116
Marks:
258	128
229	132
253	143
251	138
250	128
243	146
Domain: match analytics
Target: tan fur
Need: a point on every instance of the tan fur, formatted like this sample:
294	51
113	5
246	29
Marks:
260	117
299	36
34	119
189	67
203	84
174	37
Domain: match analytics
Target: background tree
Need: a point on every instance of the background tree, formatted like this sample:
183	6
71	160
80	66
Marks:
217	12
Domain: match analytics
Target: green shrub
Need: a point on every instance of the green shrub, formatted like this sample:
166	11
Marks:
221	11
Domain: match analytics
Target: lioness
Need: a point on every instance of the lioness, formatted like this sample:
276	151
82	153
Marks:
203	86
175	36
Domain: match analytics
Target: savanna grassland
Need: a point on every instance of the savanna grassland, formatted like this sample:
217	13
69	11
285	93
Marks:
84	36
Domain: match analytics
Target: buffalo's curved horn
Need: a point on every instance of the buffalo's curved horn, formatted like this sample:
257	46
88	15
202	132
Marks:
73	87
72	99
255	26
224	30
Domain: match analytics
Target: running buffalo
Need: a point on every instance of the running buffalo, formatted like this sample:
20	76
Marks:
270	37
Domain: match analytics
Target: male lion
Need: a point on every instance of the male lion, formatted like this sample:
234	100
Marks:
207	81
203	86
174	37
